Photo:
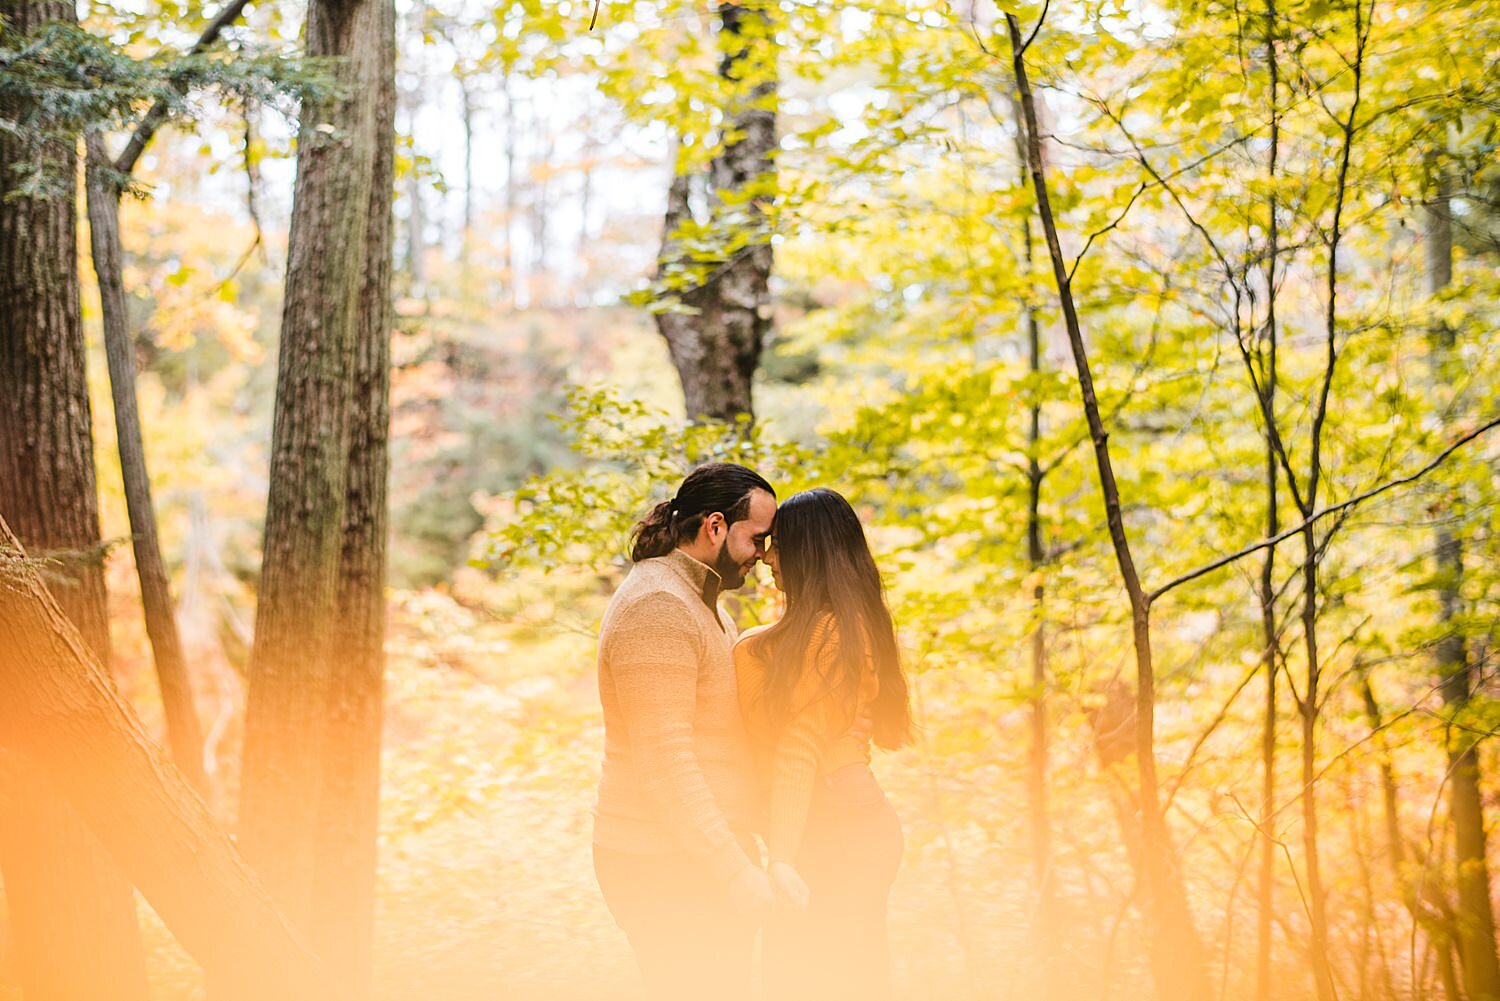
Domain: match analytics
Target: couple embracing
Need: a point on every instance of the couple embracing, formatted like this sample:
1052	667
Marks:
712	739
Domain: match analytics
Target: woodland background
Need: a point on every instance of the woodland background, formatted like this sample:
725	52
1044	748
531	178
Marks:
1183	476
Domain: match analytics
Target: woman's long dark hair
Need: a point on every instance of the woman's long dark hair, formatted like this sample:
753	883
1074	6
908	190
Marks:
715	486
827	570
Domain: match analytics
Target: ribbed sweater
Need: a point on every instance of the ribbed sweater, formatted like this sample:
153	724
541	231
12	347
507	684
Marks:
818	737
677	773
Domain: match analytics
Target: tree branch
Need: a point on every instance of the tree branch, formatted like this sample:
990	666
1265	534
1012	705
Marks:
1255	547
157	115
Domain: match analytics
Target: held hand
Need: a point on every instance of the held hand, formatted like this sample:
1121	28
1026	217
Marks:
788	885
750	892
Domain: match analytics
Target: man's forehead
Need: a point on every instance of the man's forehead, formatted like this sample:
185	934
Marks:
762	511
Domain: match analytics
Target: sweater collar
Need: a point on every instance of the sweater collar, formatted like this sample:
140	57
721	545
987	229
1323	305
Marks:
700	576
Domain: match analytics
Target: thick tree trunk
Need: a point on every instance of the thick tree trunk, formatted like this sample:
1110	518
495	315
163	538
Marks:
183	732
311	764
1177	958
1476	919
61	718
72	913
344	896
716	347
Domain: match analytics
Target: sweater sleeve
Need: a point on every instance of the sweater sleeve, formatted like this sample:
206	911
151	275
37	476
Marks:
653	660
815	718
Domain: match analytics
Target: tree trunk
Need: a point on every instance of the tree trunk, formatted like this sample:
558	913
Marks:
183	732
1307	505
61	717
412	98
1177	958
540	293
1429	919
1476	918
465	89
1048	925
309	686
1316	903
716	346
73	914
508	256
344	896
1270	642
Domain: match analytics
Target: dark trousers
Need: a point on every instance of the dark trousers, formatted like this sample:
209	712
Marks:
688	938
838	949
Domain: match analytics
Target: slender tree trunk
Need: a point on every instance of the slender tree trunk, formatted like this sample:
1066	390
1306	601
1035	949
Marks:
465	87
716	347
416	197
1269	639
1427	918
1041	837
1307	505
541	212
1476	918
1177	959
72	913
583	283
60	715
1322	973
183	732
1036	558
508	256
311	686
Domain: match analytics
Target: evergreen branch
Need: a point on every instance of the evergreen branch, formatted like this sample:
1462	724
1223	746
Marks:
157	116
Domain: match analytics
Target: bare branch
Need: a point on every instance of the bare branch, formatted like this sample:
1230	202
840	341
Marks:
1373	492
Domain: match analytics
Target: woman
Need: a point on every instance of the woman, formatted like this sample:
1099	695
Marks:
814	688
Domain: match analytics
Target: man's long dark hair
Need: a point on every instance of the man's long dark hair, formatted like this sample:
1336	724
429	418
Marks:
827	570
716	486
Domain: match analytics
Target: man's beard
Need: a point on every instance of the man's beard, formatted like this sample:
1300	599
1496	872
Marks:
731	574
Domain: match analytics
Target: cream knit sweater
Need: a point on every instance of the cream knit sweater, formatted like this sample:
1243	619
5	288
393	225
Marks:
677	770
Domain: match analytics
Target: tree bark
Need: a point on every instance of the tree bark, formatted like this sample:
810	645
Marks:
73	914
184	735
344	896
312	726
716	345
1177	958
61	717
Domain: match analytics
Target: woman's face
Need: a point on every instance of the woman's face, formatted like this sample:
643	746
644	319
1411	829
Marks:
773	560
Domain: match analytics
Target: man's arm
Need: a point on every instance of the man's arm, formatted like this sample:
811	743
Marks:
653	661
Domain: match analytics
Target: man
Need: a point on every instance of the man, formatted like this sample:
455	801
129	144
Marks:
673	851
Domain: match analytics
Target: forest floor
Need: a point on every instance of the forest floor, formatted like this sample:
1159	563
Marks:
492	746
